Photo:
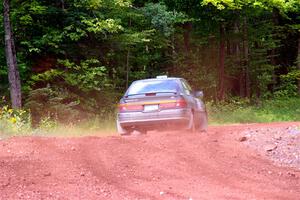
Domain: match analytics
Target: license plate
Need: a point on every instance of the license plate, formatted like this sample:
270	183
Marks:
150	108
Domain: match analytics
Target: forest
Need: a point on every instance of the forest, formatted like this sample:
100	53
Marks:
75	58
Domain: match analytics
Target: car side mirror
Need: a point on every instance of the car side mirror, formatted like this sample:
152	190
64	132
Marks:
198	94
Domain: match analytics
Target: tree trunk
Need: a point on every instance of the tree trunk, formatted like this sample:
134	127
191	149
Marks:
221	91
172	68
298	61
275	19
62	4
127	68
246	58
275	16
127	60
236	41
186	36
238	58
13	72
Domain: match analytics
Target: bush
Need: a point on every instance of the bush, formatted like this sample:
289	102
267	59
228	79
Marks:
243	111
14	122
56	105
288	86
18	122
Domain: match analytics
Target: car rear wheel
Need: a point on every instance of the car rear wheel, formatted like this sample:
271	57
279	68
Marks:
122	131
142	131
203	122
191	125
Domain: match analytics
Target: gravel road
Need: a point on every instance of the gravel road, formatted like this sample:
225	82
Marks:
250	161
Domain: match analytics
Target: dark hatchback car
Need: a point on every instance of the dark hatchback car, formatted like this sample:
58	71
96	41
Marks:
161	103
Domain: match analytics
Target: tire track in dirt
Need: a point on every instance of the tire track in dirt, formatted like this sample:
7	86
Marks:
166	165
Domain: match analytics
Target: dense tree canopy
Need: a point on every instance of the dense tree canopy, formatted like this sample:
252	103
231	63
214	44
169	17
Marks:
80	55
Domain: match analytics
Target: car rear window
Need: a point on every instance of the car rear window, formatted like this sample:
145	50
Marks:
153	86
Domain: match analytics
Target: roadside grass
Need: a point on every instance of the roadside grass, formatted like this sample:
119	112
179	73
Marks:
18	123
241	111
91	127
14	122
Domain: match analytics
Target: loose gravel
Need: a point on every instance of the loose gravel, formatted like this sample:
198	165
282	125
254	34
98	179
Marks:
280	144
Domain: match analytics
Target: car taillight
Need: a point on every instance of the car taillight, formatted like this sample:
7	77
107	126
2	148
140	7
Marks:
130	107
180	103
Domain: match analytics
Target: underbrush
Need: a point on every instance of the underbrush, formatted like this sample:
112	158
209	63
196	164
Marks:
19	123
14	122
244	111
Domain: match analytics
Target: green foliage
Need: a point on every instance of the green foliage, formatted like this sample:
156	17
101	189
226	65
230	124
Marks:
162	19
18	123
242	111
288	86
101	26
93	45
46	103
282	5
88	75
14	122
71	92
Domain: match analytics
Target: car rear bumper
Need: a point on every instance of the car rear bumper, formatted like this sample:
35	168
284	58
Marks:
179	117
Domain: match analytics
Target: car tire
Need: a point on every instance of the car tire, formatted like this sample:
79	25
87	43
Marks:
142	131
191	125
121	130
203	122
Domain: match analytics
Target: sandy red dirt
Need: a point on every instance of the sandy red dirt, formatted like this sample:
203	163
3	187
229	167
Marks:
167	165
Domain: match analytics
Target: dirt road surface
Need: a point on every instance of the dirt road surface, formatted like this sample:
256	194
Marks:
160	165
